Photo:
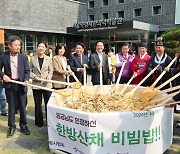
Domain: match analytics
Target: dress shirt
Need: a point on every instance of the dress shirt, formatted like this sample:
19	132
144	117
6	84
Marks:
14	65
80	57
142	56
100	57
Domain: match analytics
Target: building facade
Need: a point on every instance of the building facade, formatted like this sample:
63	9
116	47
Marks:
70	21
45	20
150	18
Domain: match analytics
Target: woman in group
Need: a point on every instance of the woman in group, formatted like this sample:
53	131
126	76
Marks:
41	67
60	67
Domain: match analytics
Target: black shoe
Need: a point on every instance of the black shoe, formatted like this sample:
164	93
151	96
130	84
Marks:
4	114
24	129
11	132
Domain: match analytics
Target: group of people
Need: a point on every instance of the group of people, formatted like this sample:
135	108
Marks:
58	67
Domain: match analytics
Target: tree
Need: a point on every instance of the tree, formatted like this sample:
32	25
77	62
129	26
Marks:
172	39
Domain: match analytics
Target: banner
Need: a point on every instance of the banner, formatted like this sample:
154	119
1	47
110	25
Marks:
142	132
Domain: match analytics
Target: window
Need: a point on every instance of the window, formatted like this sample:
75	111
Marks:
137	12
105	2
120	14
157	10
105	15
91	17
91	4
120	1
30	42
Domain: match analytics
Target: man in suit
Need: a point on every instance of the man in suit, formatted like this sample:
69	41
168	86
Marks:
51	53
15	68
162	59
78	60
97	60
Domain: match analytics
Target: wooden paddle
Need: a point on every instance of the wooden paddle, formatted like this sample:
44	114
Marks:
168	81
85	75
153	103
168	90
74	76
85	78
119	77
147	97
148	92
171	89
162	104
130	94
101	90
101	76
163	98
75	85
125	87
61	92
120	73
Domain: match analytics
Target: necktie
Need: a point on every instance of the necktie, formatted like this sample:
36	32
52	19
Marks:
80	58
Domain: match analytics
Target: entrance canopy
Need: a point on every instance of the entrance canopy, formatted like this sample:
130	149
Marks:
115	32
111	24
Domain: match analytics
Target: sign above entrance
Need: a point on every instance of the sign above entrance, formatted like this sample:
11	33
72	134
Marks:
105	24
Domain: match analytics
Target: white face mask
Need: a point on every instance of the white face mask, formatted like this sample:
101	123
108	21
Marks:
110	54
31	54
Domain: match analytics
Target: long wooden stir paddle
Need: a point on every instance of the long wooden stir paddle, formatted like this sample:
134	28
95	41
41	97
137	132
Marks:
148	92
61	92
120	73
125	87
171	89
101	90
151	95
163	98
119	77
130	94
74	76
85	76
162	104
75	85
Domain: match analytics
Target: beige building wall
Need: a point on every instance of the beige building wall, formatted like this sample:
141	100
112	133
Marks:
41	15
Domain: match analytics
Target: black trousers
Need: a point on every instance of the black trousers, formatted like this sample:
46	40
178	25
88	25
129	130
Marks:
16	94
38	94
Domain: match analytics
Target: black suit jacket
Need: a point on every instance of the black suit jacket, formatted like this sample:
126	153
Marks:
94	62
75	63
23	68
152	64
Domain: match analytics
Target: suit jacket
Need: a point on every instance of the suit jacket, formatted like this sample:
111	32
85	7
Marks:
53	54
59	73
94	62
23	68
75	63
45	72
